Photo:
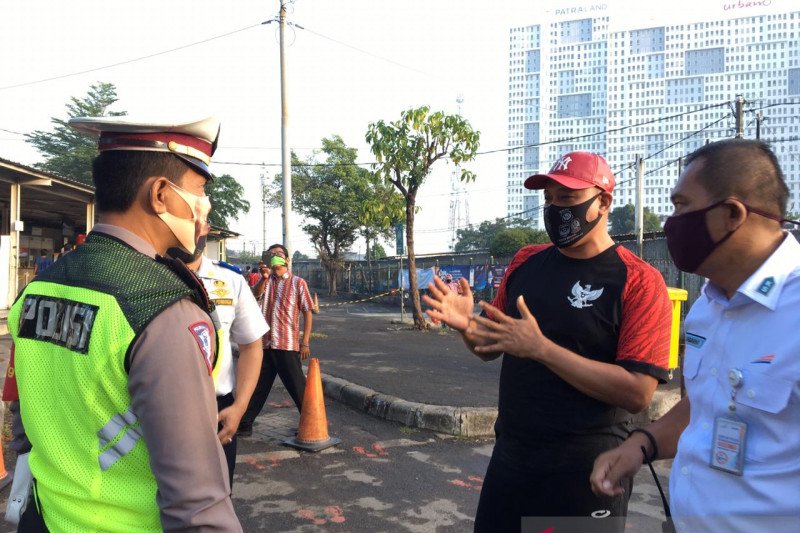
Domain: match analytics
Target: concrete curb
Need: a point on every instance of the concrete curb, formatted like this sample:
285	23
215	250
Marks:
458	421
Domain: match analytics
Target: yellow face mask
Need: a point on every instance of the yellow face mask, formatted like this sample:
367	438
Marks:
186	230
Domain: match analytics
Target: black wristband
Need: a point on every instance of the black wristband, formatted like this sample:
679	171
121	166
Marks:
652	440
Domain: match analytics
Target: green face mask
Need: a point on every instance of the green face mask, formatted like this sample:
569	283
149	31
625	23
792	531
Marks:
277	260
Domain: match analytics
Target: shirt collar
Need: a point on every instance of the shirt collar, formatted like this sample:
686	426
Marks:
205	268
128	237
764	286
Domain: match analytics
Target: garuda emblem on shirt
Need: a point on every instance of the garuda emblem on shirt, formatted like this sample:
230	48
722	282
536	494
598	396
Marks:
581	296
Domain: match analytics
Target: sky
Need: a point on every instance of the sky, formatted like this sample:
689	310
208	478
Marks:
354	62
349	63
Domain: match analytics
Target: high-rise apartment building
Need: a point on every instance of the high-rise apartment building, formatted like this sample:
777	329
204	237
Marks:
622	79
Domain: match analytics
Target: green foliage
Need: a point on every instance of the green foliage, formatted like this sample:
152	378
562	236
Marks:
508	241
299	256
70	153
480	237
227	200
623	220
377	251
406	149
242	257
331	197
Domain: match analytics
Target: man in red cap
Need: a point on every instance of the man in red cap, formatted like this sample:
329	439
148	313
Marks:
583	326
114	349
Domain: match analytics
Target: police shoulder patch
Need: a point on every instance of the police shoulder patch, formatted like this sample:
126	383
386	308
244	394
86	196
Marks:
202	334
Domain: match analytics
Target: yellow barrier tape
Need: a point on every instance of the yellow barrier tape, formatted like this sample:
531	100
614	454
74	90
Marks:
361	300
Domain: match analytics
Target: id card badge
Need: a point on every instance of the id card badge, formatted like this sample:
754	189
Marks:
727	449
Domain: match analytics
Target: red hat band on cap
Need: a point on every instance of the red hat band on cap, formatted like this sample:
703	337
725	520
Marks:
174	142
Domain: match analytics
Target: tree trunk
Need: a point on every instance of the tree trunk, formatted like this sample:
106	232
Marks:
416	306
368	278
332	282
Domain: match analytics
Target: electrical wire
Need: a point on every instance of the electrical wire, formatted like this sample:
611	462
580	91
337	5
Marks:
149	56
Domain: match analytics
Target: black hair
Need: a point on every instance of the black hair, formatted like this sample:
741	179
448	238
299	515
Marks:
744	168
119	174
282	247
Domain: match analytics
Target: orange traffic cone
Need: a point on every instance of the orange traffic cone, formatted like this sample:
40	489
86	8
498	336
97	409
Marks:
312	435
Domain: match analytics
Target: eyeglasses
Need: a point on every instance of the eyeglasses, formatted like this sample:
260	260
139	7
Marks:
277	252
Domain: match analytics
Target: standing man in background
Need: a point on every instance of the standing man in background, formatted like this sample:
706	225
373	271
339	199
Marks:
240	321
42	263
114	349
583	327
283	298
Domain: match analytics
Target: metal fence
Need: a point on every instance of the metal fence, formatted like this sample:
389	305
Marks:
359	278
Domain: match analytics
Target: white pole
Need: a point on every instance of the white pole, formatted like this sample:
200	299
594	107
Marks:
286	163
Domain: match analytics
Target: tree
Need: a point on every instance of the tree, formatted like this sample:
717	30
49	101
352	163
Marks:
377	252
299	256
507	242
623	220
227	200
69	153
406	149
481	237
379	214
331	197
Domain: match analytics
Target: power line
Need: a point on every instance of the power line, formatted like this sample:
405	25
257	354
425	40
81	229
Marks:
357	49
506	149
62	76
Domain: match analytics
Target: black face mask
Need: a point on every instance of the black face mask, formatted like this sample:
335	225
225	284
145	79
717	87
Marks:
567	225
186	257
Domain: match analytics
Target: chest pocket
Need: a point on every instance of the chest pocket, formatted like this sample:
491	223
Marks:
763	392
761	402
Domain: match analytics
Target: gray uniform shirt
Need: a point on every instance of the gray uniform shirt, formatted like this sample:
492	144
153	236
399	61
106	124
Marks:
172	393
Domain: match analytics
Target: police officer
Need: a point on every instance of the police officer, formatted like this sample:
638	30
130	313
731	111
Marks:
115	349
239	320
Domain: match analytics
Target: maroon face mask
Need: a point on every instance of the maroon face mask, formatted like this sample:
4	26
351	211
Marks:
689	241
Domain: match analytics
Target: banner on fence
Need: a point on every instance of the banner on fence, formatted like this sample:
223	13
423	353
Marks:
496	273
479	277
424	276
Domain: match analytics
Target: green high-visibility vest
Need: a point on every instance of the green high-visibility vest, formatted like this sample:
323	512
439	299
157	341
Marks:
73	327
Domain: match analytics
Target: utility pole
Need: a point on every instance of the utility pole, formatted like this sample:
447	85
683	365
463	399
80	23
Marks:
263	212
739	116
758	125
286	164
640	203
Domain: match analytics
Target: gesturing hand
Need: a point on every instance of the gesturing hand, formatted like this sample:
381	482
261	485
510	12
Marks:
452	308
521	337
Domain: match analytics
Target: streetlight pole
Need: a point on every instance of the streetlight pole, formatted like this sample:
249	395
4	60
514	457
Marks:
286	164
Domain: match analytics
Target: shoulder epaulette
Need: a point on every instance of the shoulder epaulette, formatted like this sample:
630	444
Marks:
229	266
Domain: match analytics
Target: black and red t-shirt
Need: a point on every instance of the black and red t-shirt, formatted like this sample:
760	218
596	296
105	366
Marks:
613	308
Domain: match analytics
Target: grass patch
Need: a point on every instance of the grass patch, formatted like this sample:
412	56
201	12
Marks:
318	335
406	430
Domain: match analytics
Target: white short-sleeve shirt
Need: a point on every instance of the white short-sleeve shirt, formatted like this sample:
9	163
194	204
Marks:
757	332
241	321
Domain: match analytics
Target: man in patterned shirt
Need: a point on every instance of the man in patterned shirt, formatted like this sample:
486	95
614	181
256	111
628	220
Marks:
283	298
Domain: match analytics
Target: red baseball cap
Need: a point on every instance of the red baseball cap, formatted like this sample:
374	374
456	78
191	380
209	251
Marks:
576	170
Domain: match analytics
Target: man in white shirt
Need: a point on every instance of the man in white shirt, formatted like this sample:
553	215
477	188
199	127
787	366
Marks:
735	436
238	320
